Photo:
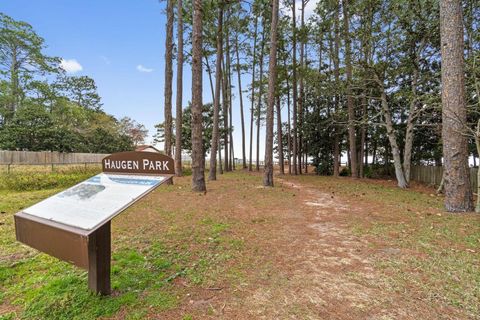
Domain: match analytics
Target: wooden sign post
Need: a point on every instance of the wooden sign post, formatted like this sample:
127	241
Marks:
74	225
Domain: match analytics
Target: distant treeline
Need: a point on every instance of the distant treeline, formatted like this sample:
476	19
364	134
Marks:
42	108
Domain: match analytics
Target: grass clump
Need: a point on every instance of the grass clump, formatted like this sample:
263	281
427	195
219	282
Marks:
46	288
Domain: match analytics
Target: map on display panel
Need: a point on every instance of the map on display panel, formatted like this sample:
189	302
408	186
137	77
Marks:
91	202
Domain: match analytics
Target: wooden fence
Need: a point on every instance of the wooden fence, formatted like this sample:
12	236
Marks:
433	175
47	157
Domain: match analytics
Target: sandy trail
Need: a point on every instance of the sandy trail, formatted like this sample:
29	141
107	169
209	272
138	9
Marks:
323	271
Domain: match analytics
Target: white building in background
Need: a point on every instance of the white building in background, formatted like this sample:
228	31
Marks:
147	148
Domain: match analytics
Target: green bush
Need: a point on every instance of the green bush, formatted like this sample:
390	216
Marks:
26	181
345	172
379	171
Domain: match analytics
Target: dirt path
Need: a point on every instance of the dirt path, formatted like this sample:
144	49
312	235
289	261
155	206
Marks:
318	260
320	270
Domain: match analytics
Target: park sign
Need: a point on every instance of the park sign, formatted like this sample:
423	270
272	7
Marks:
149	163
74	225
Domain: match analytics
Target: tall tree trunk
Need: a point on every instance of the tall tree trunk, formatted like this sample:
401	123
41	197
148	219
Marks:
260	94
304	109
409	134
351	111
289	130
252	106
458	192
198	155
363	134
225	118
294	85
302	89
216	101
220	165
336	66
232	153
229	93
280	137
477	144
240	94
407	154
168	79
272	73
230	105
367	57
178	113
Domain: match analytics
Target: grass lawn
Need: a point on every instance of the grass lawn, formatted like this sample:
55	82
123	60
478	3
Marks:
180	255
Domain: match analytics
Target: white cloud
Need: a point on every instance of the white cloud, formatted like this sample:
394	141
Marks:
71	65
105	59
143	69
309	9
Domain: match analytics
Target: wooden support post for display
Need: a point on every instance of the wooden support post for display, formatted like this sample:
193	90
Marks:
99	255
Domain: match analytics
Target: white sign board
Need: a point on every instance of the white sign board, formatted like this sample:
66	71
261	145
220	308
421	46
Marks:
89	203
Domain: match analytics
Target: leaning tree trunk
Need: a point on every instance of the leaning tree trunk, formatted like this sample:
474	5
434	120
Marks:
458	192
397	160
216	101
168	79
178	113
272	73
198	155
209	72
351	111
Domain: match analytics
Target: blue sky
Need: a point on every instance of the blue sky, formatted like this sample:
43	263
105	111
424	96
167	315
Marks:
111	40
108	39
120	44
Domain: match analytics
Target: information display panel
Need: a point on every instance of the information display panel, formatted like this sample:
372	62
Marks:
93	201
75	225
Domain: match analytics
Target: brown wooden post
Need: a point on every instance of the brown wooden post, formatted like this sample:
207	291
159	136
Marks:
99	252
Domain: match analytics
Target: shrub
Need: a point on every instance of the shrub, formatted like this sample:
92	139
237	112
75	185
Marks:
345	172
379	171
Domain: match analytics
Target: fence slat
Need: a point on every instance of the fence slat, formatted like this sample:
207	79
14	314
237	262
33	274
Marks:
47	157
432	175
